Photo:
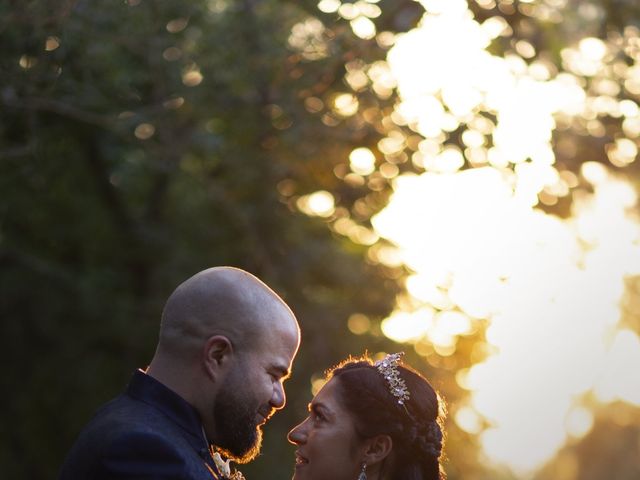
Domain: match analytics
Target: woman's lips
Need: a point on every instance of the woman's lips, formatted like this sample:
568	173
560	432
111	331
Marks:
301	460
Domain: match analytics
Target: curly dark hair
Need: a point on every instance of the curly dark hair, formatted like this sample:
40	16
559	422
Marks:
415	427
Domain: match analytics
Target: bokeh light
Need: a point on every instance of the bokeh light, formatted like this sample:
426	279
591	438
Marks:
319	204
542	293
363	161
480	249
549	287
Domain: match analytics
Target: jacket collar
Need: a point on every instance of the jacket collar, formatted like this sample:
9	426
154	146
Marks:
147	389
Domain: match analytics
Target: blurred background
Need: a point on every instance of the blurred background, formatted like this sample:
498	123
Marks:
455	179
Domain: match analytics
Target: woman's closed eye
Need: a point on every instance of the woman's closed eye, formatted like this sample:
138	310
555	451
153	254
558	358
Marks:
316	414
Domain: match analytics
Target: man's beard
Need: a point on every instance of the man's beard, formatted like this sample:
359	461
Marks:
238	434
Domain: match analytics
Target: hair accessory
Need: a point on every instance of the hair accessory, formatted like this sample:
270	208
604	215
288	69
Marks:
388	368
363	472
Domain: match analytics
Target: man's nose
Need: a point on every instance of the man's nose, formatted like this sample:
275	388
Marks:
279	398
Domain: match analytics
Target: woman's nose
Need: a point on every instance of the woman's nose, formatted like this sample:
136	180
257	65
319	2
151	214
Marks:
298	434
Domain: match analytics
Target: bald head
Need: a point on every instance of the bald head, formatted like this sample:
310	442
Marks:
220	301
227	344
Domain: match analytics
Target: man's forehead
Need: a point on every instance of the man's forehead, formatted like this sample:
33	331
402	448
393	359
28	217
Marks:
273	351
276	348
281	337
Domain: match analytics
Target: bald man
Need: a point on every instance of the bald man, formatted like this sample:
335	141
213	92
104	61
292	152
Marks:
226	346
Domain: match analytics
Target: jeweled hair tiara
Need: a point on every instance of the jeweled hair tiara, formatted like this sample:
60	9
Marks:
388	368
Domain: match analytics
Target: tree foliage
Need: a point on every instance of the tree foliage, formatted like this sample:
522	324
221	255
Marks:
141	142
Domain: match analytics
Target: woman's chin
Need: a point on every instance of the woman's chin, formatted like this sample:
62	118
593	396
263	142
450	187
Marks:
300	473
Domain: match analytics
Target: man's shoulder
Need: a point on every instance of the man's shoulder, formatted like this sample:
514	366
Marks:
127	434
129	413
119	417
128	418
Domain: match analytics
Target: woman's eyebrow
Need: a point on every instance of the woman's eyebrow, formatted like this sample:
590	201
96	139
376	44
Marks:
320	407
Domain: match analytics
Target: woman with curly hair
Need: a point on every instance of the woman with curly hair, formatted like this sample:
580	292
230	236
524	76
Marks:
371	421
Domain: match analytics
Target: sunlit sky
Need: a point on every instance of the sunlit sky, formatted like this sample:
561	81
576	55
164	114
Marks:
481	250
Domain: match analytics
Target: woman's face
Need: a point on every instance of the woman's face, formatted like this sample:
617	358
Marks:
328	447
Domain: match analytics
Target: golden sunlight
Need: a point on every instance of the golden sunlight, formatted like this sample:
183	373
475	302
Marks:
319	204
545	291
550	289
362	161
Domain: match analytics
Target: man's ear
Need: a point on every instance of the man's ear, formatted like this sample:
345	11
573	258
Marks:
378	448
217	353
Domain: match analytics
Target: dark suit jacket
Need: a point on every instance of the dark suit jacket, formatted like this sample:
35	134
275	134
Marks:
148	432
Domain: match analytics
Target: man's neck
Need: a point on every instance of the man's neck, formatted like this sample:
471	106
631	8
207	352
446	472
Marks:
172	375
